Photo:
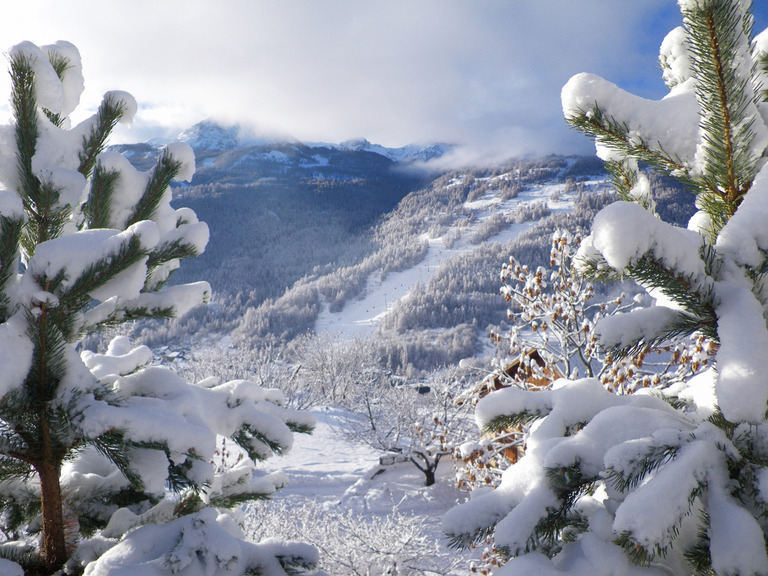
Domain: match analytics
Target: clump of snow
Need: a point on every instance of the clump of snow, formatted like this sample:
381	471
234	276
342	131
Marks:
128	103
183	153
48	89
72	82
119	359
671	124
744	238
11	205
623	232
741	360
70	184
670	491
180	298
91	473
643	324
674	57
203	543
737	543
15	353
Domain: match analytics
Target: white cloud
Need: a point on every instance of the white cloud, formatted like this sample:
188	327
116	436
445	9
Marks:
483	74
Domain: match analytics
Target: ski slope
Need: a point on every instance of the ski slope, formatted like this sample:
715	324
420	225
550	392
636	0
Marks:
361	317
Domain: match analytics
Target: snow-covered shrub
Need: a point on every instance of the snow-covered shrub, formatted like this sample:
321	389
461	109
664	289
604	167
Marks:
668	481
556	312
104	458
421	423
553	334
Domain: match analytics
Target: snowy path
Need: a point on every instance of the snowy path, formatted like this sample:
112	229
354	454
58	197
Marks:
362	316
327	470
322	465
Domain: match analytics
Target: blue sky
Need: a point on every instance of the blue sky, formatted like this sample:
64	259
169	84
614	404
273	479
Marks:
484	74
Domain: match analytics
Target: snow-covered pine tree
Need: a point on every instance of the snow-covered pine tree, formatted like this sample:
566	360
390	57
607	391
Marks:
93	446
652	483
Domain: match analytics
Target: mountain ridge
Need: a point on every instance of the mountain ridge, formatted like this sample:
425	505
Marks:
211	136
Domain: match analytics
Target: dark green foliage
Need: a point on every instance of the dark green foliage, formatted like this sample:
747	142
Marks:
251	440
109	114
24	107
178	249
564	523
97	209
715	29
698	555
655	457
509	421
10	236
166	169
465	541
234	500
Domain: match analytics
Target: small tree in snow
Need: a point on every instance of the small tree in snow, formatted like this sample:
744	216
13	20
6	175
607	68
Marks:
672	481
105	460
421	424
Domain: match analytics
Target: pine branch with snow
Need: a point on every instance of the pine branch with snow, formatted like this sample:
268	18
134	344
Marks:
668	481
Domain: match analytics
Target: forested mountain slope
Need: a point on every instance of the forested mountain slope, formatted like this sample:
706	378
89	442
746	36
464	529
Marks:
277	210
343	239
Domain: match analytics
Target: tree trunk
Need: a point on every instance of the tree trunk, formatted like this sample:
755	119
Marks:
430	466
54	542
429	474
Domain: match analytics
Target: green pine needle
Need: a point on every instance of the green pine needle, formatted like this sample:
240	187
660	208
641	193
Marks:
510	421
109	114
716	31
98	208
166	169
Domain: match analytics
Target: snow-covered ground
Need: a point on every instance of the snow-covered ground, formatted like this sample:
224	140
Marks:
327	471
322	465
362	316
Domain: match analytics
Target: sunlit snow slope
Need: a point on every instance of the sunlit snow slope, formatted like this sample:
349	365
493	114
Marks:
362	316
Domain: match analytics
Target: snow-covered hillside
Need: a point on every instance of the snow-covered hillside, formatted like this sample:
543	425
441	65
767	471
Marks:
363	315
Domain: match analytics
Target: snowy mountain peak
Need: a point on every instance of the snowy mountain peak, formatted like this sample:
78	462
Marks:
410	153
208	135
